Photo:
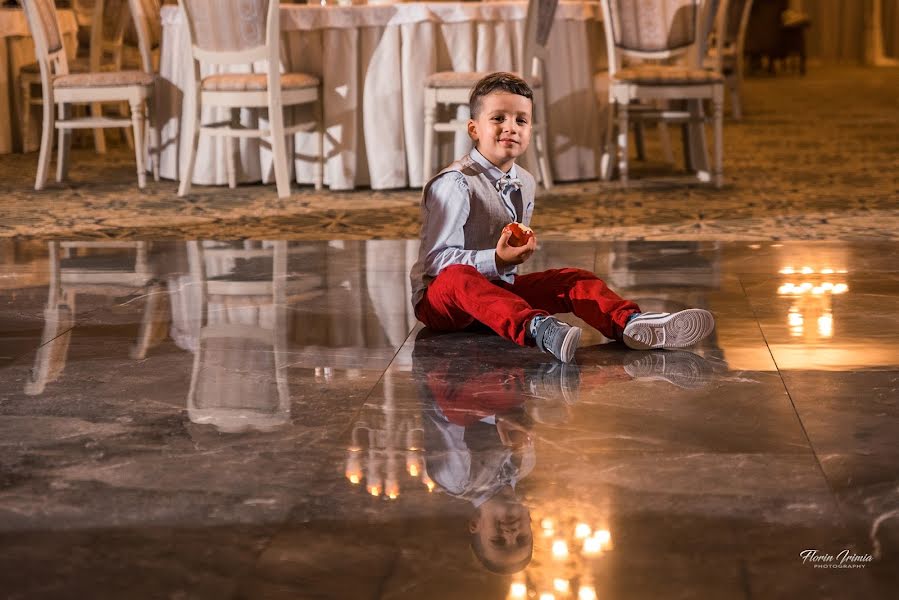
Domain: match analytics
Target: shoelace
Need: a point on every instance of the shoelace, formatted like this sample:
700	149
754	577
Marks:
507	183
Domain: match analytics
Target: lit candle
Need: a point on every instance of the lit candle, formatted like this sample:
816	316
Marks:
592	545
560	549
581	531
587	592
518	591
604	536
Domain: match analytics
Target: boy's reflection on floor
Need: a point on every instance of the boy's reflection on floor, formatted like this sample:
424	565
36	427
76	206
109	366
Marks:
479	409
478	445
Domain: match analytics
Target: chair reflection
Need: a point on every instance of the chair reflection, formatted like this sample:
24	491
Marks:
239	379
97	268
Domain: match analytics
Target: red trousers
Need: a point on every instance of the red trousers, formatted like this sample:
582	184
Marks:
460	295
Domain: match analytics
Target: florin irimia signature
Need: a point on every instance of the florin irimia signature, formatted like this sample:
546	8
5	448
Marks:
845	559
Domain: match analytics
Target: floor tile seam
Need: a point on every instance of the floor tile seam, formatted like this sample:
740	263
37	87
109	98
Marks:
833	495
358	412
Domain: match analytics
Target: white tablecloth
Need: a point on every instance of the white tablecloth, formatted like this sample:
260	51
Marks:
17	50
373	61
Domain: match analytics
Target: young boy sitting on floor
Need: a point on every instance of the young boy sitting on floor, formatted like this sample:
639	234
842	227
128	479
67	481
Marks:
466	268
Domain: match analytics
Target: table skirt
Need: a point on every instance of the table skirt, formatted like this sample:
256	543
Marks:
373	61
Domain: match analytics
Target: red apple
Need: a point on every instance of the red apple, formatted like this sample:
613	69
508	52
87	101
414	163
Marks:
520	234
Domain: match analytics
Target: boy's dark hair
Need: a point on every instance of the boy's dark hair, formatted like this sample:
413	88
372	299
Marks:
497	82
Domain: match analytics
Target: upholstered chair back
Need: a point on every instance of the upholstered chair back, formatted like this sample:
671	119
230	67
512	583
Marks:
654	26
229	25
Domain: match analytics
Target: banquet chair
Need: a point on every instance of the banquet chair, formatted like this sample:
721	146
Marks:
59	87
242	32
725	55
659	30
454	87
108	21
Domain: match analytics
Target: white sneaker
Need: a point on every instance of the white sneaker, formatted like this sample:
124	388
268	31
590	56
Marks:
668	330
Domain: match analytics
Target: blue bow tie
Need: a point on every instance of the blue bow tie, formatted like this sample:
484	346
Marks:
507	183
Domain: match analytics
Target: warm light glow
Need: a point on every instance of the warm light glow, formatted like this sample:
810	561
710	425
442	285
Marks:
561	585
374	490
581	531
826	271
560	549
518	591
788	270
547	596
817	290
430	484
807	270
825	325
604	536
787	288
795	319
413	470
354	478
393	495
586	593
805	286
592	545
828	286
546	523
840	288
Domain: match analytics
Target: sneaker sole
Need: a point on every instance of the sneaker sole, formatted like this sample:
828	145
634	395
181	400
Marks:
569	344
679	330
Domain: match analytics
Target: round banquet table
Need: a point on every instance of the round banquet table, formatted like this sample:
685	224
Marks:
373	61
16	51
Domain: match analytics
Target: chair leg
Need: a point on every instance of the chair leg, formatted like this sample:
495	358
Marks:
427	160
26	114
99	133
606	160
638	141
64	145
541	142
622	141
718	116
154	142
665	140
129	137
192	135
137	124
230	150
43	161
736	107
318	174
279	150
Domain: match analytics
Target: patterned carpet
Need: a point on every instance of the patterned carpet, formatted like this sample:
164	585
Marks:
814	158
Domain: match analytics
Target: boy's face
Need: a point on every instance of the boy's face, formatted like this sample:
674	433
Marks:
502	130
503	526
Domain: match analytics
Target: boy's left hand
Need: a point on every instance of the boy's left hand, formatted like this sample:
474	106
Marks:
507	255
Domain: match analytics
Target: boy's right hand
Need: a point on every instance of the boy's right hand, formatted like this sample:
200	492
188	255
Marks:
507	255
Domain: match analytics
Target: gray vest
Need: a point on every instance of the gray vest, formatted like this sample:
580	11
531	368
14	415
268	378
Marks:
487	213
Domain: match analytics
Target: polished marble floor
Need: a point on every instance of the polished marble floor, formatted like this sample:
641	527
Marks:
267	420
